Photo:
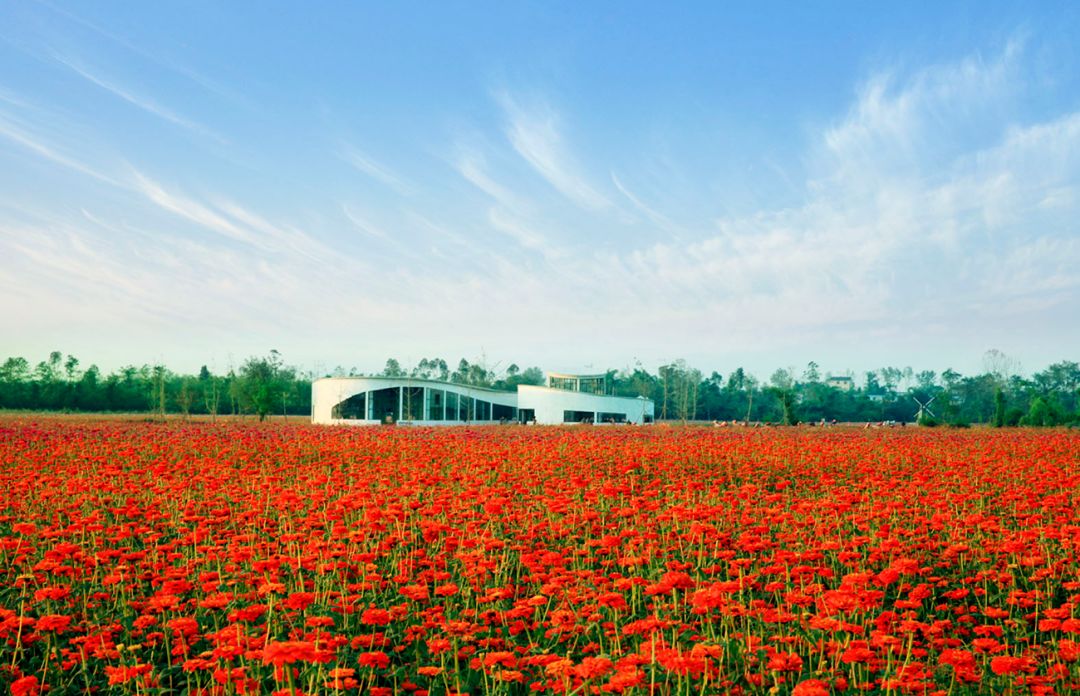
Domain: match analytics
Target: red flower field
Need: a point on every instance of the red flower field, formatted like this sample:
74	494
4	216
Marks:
241	559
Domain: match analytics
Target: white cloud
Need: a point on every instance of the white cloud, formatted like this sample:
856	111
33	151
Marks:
234	222
362	223
534	134
191	210
889	216
367	165
472	167
146	104
651	214
518	232
927	205
13	132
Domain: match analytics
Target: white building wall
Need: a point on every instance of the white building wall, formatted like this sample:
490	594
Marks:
549	404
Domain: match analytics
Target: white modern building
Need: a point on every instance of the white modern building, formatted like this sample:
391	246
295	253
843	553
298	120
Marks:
565	399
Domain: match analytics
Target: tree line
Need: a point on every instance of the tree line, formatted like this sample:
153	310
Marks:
997	396
264	385
260	386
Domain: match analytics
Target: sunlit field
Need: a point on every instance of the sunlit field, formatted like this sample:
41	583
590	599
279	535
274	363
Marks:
236	558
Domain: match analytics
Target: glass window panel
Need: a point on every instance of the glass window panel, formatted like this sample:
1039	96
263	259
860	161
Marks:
436	400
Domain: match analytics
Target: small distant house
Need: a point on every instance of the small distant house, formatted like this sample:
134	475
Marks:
842	383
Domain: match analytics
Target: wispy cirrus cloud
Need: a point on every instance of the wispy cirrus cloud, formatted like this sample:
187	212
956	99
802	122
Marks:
198	78
366	164
361	223
142	102
13	131
521	233
656	217
232	221
191	210
534	133
473	168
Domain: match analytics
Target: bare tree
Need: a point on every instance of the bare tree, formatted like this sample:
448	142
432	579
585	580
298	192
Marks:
186	396
1000	365
212	396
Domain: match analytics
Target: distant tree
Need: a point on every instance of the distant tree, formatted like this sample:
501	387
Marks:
531	375
925	380
185	397
782	379
890	378
711	397
15	370
637	381
14	383
811	374
158	389
393	369
782	386
741	387
478	375
999	365
210	386
1041	414
999	408
260	380
685	382
71	369
88	393
50	371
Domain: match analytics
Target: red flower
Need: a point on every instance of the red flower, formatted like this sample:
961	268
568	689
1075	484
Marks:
1007	664
55	623
375	617
593	667
785	662
299	601
376	658
811	687
26	686
126	673
286	652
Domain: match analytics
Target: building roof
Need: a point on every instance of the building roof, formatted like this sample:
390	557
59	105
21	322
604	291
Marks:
425	380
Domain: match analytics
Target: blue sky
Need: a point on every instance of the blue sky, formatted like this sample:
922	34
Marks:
572	185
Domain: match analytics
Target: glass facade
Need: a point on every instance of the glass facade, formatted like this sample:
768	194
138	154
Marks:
566	383
578	416
353	408
586	384
592	385
412	403
610	417
500	412
436	403
384	404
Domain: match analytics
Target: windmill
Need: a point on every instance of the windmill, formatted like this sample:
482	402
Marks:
924	409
